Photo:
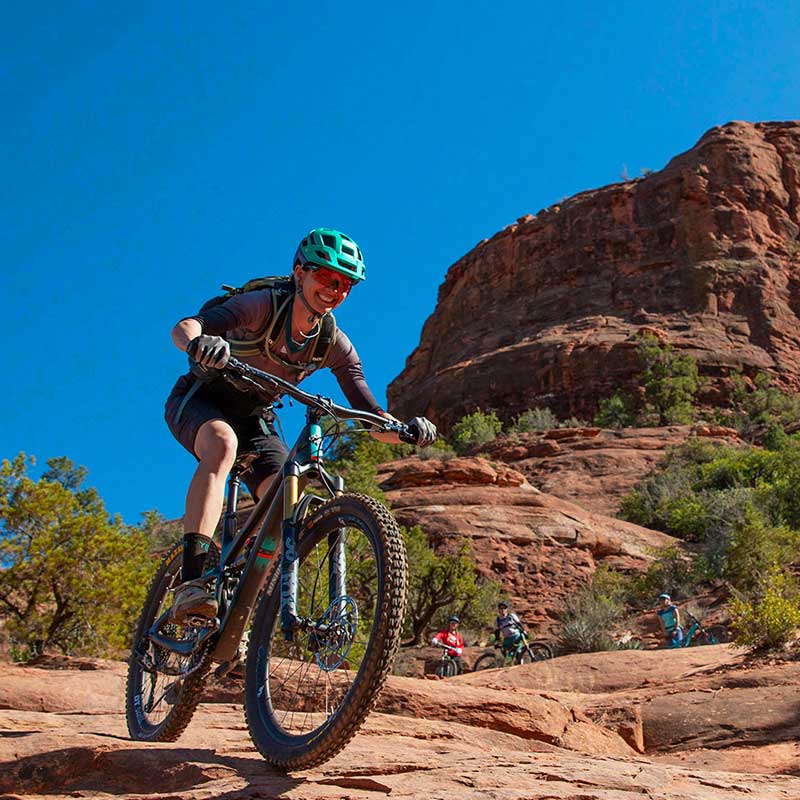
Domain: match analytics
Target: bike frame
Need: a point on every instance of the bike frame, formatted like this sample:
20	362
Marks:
276	517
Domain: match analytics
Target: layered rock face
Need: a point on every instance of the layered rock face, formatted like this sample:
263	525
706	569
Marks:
539	547
704	253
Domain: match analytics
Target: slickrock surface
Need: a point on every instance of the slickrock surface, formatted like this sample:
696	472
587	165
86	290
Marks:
702	254
592	467
556	730
538	546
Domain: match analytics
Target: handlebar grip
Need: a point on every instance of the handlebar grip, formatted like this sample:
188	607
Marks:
406	436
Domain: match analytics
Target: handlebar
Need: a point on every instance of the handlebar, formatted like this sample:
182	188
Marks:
257	378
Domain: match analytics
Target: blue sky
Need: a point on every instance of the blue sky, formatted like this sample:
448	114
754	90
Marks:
151	152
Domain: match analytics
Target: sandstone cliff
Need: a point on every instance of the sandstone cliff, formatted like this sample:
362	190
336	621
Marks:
705	253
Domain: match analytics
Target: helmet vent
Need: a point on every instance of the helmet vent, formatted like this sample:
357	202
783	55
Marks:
328	241
343	263
323	254
348	250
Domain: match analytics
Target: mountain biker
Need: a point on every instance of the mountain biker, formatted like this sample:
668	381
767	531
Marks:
451	640
215	421
508	629
670	620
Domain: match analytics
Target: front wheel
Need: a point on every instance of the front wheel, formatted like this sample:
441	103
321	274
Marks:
308	694
489	661
446	668
163	688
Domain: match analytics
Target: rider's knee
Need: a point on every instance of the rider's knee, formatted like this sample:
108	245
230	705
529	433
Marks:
216	445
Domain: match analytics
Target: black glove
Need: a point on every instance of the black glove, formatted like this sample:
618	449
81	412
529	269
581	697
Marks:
423	430
209	351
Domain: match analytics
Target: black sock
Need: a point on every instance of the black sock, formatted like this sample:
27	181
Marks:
195	550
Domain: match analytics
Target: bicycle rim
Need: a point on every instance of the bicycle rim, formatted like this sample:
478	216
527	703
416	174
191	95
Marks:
305	698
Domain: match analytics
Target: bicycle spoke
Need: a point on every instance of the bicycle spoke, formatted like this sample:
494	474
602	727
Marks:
309	678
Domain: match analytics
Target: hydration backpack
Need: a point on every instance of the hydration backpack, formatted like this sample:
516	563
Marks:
282	291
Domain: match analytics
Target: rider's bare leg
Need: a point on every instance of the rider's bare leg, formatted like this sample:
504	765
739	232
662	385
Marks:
215	446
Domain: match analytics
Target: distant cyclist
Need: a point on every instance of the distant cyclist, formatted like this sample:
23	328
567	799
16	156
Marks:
451	640
670	617
508	629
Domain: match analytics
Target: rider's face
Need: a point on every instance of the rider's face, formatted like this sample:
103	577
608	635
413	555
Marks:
323	289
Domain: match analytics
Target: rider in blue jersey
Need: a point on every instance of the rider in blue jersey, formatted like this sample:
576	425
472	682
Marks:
671	621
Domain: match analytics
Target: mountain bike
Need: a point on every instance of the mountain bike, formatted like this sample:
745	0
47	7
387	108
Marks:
316	584
447	667
523	652
699	635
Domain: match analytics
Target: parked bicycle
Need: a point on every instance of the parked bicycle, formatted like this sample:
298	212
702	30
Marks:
698	634
323	580
523	652
447	667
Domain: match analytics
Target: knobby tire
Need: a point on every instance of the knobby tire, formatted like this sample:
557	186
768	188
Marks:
446	669
487	661
293	747
166	578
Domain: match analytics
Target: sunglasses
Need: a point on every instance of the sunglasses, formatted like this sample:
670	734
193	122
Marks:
331	279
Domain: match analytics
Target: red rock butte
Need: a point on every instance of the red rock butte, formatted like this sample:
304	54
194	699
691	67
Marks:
704	254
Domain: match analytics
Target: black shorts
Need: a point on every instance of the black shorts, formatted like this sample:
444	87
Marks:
224	403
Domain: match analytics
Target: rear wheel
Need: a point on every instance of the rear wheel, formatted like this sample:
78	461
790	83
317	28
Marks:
535	651
488	661
306	697
163	688
718	634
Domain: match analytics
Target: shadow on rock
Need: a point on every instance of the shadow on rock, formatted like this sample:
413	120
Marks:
118	771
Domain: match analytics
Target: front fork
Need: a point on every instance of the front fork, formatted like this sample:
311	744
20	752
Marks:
337	561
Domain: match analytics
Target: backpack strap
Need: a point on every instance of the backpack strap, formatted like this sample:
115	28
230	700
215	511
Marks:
264	343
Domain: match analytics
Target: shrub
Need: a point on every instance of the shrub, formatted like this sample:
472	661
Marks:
760	405
756	549
768	620
589	615
671	571
615	411
474	429
534	419
574	422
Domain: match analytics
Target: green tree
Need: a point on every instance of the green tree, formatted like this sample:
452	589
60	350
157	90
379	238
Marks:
161	533
72	578
670	381
443	584
615	411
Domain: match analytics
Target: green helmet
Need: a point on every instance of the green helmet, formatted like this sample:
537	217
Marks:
325	247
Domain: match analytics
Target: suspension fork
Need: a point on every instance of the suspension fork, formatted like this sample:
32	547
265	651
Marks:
289	558
337	559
